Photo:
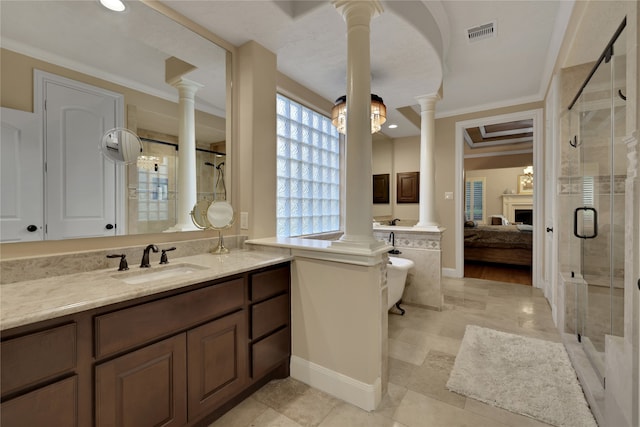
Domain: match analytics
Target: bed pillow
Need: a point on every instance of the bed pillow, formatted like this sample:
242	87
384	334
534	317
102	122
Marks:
525	227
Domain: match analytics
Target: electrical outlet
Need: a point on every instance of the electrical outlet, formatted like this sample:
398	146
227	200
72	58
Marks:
448	195
244	220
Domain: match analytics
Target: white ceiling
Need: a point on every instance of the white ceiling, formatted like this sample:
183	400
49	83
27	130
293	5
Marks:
416	46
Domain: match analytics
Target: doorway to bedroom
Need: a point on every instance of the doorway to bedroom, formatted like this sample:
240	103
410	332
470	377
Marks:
497	168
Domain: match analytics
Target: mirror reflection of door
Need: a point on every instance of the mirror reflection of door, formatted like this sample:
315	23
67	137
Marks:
21	209
80	183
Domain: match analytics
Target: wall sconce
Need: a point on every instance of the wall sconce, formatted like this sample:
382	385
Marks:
378	114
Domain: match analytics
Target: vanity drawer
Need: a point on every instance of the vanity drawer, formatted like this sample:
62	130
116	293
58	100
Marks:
269	283
269	315
37	357
134	326
53	405
269	352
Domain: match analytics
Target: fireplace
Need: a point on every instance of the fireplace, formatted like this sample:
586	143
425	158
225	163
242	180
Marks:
524	216
512	203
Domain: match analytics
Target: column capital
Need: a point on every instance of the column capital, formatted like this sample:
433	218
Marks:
186	87
350	7
428	100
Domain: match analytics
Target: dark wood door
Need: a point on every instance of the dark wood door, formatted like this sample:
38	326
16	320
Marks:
144	388
217	360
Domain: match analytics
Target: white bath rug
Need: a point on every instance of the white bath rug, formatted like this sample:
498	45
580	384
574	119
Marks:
524	375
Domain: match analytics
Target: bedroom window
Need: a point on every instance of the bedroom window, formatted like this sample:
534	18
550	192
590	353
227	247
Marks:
474	199
308	171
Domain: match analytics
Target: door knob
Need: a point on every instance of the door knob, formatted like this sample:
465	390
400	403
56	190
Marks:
549	229
109	226
31	228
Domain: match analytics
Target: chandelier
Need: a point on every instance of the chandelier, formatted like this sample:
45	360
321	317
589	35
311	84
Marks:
378	114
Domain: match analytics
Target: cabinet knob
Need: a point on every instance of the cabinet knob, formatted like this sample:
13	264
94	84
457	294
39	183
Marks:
31	228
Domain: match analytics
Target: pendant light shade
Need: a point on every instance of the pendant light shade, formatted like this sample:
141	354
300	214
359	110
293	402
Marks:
339	114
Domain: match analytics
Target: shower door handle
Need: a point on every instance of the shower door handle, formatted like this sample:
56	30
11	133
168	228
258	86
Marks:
576	213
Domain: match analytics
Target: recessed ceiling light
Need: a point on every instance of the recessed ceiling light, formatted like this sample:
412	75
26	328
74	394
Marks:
115	5
392	126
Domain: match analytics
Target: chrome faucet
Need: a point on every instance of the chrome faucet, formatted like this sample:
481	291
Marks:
145	256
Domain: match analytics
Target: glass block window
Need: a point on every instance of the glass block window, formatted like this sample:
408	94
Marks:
308	171
153	192
474	200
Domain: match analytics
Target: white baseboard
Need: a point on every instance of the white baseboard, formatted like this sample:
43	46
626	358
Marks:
362	395
450	272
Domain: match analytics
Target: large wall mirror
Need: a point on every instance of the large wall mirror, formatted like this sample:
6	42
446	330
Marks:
117	64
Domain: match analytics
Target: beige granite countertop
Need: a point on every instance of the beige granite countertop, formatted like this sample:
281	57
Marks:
31	301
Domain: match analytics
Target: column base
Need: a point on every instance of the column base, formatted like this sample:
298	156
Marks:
429	227
364	244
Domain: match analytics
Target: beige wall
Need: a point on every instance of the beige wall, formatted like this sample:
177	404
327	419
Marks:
382	163
256	139
495	162
16	82
497	181
327	297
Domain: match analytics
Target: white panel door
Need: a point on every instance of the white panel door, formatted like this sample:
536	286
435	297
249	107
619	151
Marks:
21	169
80	184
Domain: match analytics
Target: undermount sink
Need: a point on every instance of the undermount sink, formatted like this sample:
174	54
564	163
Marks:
161	273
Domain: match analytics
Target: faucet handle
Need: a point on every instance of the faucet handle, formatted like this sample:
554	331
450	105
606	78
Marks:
123	261
163	258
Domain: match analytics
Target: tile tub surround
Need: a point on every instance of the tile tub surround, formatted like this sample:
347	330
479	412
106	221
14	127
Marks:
424	281
32	301
39	267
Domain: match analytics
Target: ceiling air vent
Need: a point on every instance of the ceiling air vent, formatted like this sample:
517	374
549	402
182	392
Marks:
481	32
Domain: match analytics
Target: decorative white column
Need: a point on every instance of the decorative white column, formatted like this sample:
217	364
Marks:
187	190
358	227
428	218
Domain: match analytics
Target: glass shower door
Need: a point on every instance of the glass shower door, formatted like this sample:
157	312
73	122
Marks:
598	205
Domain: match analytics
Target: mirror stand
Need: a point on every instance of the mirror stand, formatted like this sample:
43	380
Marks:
220	249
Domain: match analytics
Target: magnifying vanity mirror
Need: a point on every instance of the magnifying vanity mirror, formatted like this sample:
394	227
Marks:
108	81
216	215
121	145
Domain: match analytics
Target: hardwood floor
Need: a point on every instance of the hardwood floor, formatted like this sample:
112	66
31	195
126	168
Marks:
498	272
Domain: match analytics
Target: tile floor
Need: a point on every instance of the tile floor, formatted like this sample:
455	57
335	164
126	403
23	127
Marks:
422	349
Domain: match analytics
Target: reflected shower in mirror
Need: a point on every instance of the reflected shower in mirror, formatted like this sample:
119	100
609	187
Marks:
126	59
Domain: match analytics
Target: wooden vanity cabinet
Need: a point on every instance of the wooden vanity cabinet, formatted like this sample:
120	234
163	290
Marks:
182	358
146	387
38	370
270	333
